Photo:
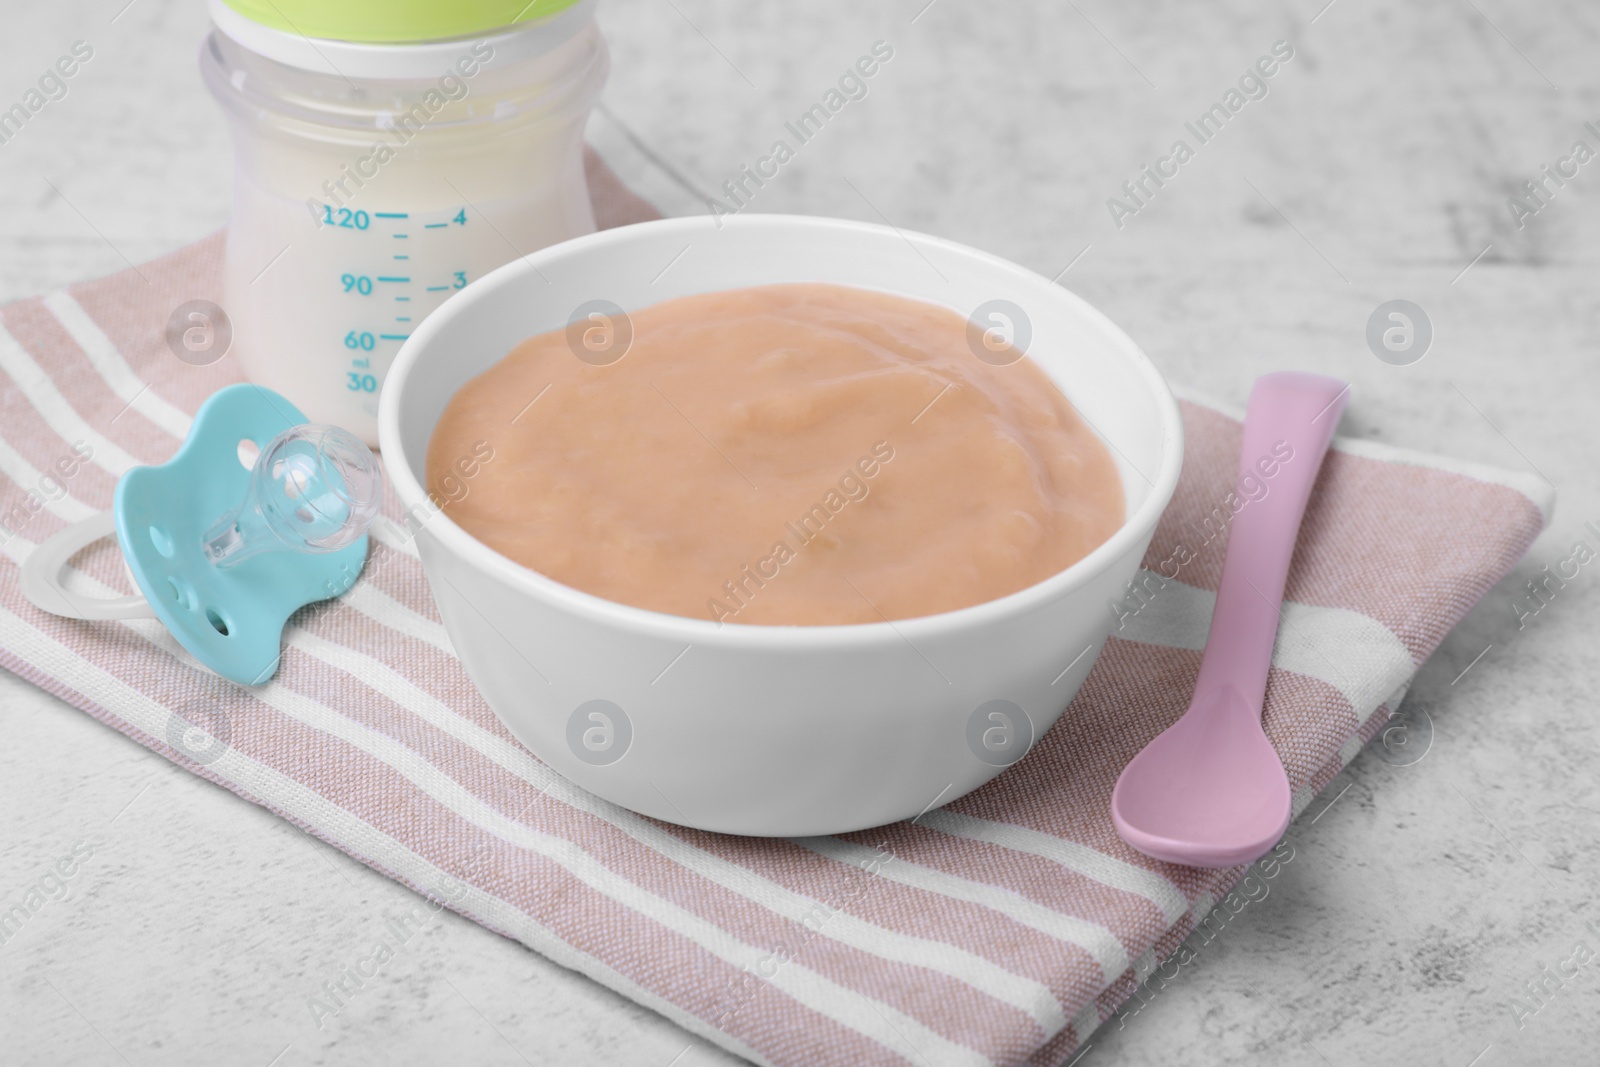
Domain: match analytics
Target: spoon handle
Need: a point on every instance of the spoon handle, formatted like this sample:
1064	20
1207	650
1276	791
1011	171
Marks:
1287	428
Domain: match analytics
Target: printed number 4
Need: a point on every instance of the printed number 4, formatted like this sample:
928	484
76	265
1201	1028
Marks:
461	217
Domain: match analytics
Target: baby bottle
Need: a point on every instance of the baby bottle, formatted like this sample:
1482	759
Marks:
388	152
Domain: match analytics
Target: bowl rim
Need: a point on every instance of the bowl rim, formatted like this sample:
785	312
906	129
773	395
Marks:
706	632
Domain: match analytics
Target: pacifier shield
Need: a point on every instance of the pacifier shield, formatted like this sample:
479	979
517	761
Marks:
230	618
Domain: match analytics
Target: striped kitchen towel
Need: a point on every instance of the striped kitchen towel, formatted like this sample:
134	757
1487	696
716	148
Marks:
1000	929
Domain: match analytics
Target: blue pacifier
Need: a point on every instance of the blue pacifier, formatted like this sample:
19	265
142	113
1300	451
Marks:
258	515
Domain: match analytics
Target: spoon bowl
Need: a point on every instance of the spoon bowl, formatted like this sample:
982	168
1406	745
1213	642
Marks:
1209	791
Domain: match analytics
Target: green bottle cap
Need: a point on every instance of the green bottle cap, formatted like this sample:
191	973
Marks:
393	21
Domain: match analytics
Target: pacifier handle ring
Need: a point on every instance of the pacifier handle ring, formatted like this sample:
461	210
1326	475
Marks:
41	575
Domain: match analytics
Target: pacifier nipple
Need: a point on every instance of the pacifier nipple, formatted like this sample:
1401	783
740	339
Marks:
314	489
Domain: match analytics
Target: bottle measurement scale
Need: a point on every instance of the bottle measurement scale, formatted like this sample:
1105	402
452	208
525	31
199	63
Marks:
321	297
386	156
404	268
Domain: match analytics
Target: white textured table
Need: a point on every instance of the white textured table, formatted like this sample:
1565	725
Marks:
1421	899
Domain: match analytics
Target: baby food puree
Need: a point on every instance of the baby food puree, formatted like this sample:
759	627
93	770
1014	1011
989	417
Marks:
779	455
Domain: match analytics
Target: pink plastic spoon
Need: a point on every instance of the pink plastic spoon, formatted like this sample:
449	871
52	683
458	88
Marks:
1210	791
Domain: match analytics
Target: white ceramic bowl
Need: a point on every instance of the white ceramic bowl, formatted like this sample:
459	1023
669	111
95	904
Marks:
764	729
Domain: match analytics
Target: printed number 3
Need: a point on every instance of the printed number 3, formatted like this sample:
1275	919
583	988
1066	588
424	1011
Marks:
461	279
